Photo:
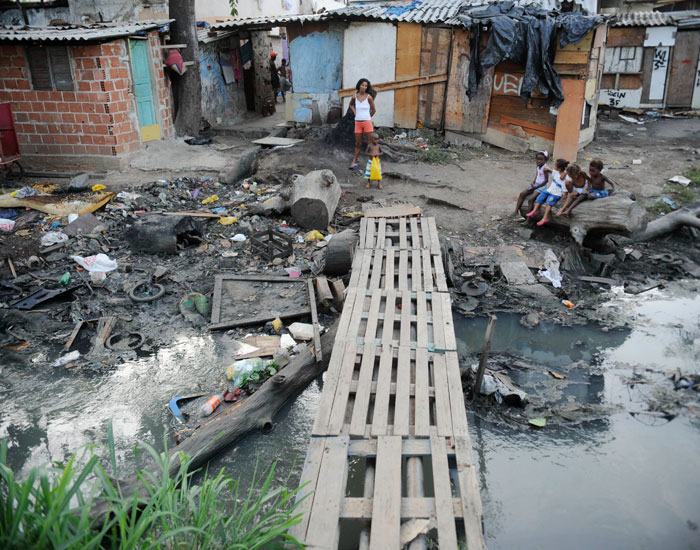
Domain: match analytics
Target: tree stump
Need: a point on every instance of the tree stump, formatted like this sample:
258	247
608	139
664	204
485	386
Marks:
314	199
340	252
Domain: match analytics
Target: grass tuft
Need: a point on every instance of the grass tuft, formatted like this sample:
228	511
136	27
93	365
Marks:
56	507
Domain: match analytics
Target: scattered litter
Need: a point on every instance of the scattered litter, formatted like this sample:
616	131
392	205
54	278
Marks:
568	303
538	422
239	237
99	262
211	199
52	238
8	213
313	236
630	119
40	296
126	196
681	180
474	288
72	218
243	370
25	192
227	220
551	271
286	341
301	331
6	225
98	187
501	387
557	375
68	358
293	272
210	405
148	295
174	405
637	162
277	324
65	279
669	202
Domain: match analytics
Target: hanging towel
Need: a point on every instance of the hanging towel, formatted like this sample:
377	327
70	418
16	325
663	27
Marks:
237	65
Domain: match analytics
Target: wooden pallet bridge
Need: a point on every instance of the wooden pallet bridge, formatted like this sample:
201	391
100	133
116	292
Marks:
390	457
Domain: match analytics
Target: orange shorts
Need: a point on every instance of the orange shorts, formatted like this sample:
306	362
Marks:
363	126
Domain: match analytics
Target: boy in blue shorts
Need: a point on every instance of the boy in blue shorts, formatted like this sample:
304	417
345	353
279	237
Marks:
598	181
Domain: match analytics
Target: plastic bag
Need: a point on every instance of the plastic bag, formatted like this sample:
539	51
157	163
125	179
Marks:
313	235
375	170
100	262
6	225
55	237
241	371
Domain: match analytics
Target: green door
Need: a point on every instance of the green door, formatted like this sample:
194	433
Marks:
150	129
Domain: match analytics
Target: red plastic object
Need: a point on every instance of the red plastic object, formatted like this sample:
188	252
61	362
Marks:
9	145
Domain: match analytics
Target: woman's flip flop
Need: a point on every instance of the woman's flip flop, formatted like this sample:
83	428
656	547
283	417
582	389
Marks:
353	167
530	214
542	222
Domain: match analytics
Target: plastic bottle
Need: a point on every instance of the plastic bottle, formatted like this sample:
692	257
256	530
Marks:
211	404
240	371
65	279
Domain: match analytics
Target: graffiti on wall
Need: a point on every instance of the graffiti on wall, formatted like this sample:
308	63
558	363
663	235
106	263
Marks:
507	84
621	98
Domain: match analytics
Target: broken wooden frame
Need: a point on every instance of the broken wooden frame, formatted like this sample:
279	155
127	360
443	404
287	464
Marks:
218	324
271	244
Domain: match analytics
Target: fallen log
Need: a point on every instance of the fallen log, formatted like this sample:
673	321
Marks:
617	214
314	199
257	412
688	215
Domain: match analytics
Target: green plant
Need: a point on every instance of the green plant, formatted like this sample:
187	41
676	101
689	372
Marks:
438	156
57	507
659	207
694	175
686	196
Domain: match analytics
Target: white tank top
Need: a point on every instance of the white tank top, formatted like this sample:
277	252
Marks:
540	174
362	109
558	185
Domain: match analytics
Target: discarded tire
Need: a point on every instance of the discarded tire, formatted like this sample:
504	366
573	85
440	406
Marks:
146	298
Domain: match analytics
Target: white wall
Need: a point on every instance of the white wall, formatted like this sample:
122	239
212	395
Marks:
369	51
264	8
214	8
621	98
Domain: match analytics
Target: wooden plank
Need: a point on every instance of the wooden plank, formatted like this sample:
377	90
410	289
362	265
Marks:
405	333
546	132
563	56
410	447
407	66
361	405
427	271
416	271
403	382
386	502
324	526
422	400
438	322
318	352
434	237
373	317
469	493
683	70
447	531
399	84
421	321
277	141
371	229
447	321
517	273
411	508
389	317
260	319
216	305
376	277
363	232
73	335
307	484
454	383
355	271
440	280
415	236
402	233
389	270
396	211
625	36
364	269
380	418
381	233
403	269
443	414
336	417
569	120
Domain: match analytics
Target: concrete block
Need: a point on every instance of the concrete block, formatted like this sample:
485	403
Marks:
460	139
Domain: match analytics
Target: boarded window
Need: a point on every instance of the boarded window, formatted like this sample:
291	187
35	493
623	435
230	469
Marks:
50	67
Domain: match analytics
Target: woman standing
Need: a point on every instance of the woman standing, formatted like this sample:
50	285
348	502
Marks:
362	105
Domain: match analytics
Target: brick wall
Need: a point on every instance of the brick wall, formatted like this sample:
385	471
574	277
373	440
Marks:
92	127
163	98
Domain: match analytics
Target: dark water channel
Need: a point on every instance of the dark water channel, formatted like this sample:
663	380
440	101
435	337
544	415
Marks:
617	481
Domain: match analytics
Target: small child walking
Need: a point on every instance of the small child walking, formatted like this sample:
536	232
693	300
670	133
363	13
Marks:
542	175
373	172
553	193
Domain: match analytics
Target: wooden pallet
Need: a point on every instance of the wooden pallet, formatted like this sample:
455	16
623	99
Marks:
400	269
392	397
401	233
447	500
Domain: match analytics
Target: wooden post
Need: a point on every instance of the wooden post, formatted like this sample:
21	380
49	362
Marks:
484	355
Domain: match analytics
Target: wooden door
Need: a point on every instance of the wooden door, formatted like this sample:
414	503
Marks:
434	57
681	78
408	57
143	90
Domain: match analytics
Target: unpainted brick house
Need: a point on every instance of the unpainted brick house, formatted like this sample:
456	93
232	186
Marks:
85	95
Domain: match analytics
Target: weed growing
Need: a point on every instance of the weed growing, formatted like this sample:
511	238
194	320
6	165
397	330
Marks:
79	506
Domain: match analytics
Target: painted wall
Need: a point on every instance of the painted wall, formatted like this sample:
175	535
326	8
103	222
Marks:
261	8
222	104
369	51
213	8
317	61
621	98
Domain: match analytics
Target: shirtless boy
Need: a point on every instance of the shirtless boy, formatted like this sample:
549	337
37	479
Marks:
597	189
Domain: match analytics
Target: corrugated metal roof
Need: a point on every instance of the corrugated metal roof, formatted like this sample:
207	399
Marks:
82	33
450	12
204	37
644	19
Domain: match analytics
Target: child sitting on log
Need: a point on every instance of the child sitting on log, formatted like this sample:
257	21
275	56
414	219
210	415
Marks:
541	179
597	185
553	193
577	187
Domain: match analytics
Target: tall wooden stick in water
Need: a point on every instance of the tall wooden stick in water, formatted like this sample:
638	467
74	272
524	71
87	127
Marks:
484	355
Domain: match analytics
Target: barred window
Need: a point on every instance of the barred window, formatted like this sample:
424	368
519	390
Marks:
50	67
